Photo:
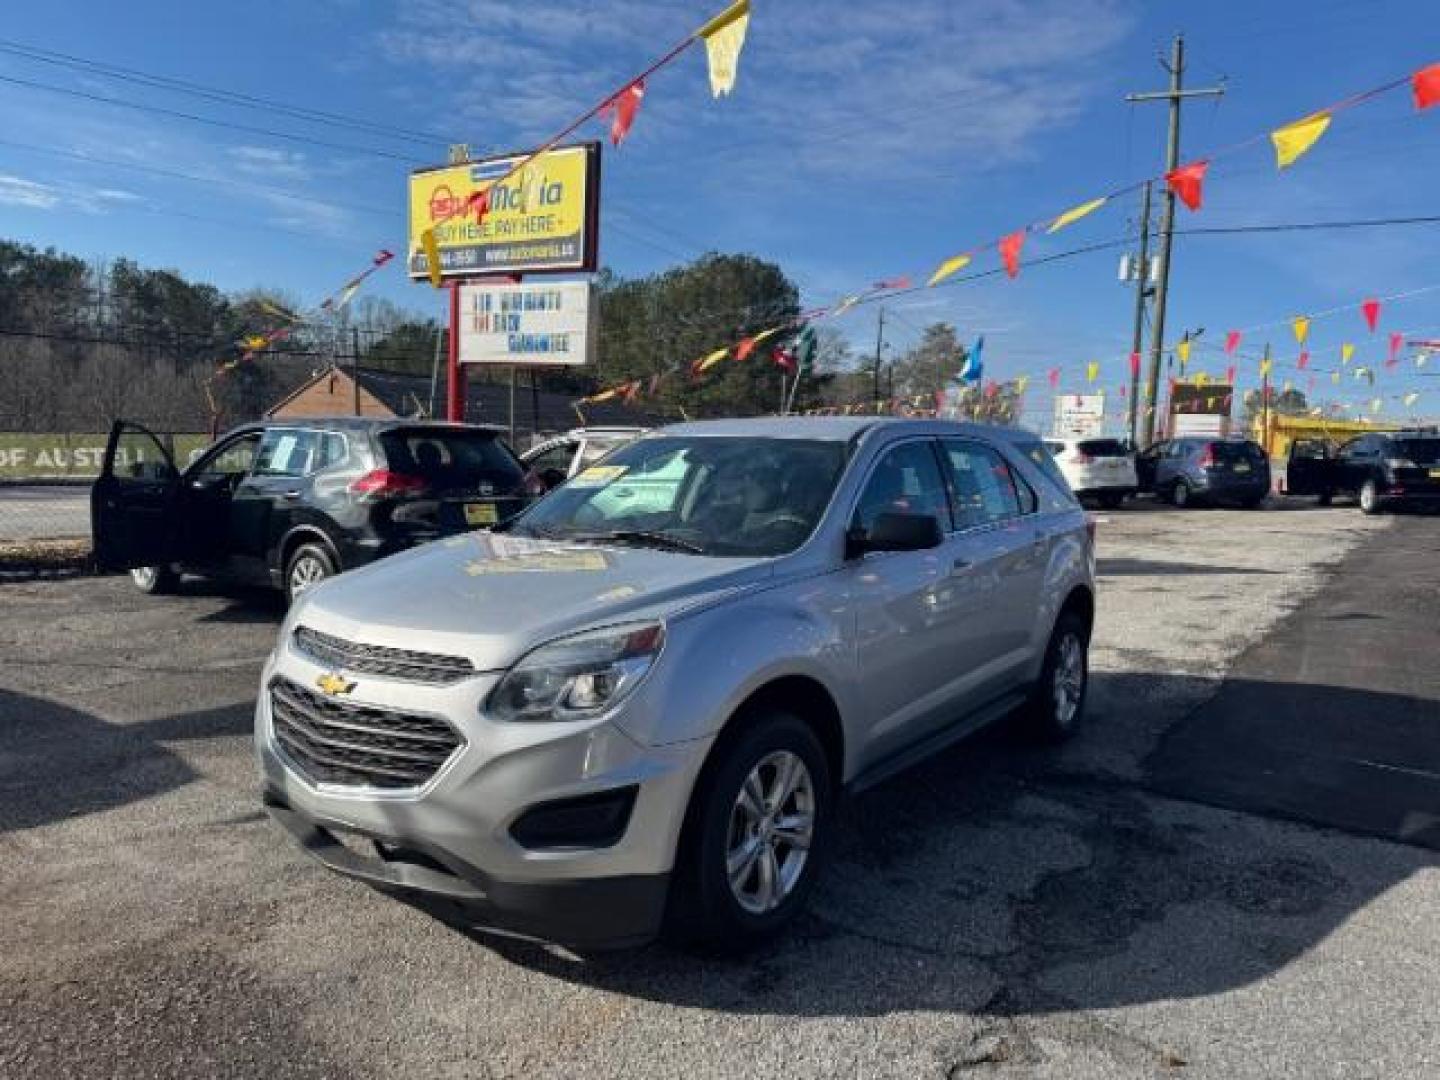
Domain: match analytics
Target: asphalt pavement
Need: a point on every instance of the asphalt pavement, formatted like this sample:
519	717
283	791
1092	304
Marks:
1088	912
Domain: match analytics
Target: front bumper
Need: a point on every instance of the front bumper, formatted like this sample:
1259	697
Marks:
595	913
450	839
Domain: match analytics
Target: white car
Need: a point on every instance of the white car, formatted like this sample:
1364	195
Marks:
1098	469
556	460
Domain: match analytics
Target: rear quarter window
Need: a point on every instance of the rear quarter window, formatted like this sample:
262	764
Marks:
1103	448
452	459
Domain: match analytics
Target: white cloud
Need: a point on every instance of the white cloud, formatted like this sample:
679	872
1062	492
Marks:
269	162
870	89
17	191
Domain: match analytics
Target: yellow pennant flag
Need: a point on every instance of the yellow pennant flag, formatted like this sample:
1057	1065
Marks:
256	342
713	359
1411	398
724	37
1265	366
1201	379
1092	371
1293	140
604	395
845	305
1335	376
948	267
1347	351
1182	350
1074	214
432	256
1021	383
1301	325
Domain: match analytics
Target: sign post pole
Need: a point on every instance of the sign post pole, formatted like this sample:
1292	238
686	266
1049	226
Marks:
454	376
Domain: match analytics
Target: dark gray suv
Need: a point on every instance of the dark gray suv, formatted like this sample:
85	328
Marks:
1196	469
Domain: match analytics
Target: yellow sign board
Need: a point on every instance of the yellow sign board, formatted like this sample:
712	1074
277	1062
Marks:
544	218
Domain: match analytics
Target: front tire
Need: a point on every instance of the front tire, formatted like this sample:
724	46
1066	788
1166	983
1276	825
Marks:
308	566
1324	499
1370	498
1057	704
756	836
155	580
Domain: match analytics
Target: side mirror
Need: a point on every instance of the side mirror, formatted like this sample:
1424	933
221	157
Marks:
896	532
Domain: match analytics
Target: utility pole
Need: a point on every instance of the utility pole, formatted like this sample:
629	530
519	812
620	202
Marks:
355	365
879	345
1175	95
1142	290
1265	400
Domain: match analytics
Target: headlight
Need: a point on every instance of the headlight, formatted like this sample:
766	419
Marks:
578	677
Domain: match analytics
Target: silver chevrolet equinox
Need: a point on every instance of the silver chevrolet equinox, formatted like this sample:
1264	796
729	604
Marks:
632	709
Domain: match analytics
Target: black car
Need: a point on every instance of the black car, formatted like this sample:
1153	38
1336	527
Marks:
1385	469
290	503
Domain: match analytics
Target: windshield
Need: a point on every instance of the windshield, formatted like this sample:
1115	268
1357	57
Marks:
453	460
1420	451
710	495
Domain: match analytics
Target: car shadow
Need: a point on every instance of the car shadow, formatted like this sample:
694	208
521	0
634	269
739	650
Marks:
57	762
998	879
1165	568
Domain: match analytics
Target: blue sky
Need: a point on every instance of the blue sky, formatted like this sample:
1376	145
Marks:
864	140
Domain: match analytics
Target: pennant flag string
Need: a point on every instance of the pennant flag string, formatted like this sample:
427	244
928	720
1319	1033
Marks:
1294	140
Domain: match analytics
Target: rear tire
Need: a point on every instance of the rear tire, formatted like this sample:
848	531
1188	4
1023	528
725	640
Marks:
308	566
1370	498
1057	704
1253	504
1325	498
155	580
1112	500
739	881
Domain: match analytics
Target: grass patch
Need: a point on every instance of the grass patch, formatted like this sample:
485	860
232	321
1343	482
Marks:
45	555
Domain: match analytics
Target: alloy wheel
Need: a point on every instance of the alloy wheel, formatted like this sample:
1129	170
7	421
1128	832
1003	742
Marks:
772	825
145	576
306	573
1068	682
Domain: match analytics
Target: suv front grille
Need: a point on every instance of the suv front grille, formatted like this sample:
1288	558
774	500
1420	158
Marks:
379	660
334	742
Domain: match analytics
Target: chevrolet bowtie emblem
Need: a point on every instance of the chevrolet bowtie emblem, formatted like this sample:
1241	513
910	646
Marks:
334	684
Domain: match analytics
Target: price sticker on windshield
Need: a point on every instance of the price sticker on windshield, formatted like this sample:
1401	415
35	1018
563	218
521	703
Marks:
597	476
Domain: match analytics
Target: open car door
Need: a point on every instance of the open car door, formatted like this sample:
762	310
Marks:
1310	469
134	505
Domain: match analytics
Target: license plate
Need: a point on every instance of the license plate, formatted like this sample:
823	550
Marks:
480	514
1242	467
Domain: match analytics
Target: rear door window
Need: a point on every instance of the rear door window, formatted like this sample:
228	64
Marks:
286	452
985	489
462	461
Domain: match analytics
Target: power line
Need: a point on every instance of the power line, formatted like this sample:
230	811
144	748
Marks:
229	97
195	118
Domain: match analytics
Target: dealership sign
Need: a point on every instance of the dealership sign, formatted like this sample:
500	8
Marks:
1079	416
527	325
542	219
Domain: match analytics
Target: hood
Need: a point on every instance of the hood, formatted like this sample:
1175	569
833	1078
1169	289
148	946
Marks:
493	597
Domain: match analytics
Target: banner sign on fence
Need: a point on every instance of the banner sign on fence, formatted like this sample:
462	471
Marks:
68	456
527	325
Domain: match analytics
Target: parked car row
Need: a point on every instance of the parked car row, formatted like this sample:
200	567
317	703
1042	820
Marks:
1184	471
1381	470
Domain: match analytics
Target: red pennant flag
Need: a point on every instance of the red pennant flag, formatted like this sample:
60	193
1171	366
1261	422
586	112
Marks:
1053	377
1232	341
1010	252
1426	84
479	203
623	107
745	348
1230	374
1371	310
382	257
1134	365
1188	183
893	283
1124	391
1303	362
1396	340
784	358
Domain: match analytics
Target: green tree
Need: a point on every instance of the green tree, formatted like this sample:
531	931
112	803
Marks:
931	365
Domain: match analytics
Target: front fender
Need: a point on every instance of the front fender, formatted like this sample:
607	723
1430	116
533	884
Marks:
717	658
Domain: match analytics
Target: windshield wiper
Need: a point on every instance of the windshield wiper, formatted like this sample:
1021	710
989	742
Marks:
640	538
